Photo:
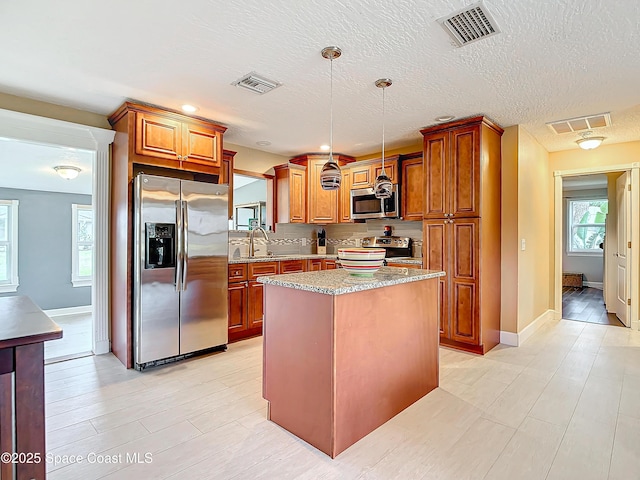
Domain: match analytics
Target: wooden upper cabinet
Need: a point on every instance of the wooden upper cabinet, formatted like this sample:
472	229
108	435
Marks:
436	175
291	193
453	163
322	205
157	136
344	205
168	139
361	175
390	168
412	189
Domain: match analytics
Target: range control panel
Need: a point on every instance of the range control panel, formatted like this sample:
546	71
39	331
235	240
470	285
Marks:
386	242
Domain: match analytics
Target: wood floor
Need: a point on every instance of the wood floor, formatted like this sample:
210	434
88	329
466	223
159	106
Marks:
565	405
76	339
586	305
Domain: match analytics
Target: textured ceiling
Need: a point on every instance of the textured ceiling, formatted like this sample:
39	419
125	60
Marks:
553	60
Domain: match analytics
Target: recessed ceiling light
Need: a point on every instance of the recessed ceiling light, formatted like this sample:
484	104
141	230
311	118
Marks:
444	118
189	108
263	143
324	147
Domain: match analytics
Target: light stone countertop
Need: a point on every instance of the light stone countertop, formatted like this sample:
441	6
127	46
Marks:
295	256
339	282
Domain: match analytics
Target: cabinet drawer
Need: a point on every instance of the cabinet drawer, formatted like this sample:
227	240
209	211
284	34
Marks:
262	268
237	272
292	266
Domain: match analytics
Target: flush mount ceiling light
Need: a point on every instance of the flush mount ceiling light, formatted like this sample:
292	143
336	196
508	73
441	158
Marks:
330	176
263	143
587	142
383	186
444	118
189	108
324	148
67	172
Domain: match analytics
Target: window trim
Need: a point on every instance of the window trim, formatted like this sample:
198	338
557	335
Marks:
582	253
14	281
77	280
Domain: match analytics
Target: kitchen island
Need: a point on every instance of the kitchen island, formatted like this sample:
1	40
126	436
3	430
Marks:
344	354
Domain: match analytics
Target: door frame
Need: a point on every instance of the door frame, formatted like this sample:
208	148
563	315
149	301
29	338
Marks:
32	128
634	284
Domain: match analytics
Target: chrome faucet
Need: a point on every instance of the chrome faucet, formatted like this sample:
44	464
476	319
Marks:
252	248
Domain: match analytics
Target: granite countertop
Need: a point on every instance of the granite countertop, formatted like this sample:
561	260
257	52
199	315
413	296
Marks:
339	282
295	256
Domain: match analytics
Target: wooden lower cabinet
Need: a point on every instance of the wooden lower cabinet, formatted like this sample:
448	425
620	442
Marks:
245	297
467	321
403	265
329	264
314	264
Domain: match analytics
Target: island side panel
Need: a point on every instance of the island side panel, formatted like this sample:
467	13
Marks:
386	355
297	367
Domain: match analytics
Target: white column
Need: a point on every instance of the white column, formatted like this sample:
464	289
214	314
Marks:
101	216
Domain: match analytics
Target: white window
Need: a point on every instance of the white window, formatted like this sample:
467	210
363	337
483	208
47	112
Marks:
8	246
586	225
82	238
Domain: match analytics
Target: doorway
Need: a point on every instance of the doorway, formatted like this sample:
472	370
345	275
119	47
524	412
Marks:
629	283
56	133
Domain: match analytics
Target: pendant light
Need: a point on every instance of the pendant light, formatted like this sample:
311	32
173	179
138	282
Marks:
383	187
330	175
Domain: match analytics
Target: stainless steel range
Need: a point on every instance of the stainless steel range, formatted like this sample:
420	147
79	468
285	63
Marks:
396	247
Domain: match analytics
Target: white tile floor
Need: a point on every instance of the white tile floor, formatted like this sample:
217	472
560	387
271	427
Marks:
76	337
565	405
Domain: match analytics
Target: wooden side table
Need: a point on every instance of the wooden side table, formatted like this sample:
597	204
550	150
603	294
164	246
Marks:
23	330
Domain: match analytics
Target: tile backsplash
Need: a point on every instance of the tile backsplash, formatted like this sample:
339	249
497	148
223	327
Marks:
301	238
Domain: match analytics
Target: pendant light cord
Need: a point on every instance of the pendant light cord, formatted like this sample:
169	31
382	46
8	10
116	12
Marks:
331	115
383	89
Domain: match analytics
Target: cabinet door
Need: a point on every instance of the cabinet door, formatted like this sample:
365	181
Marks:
390	168
344	209
158	137
465	172
322	205
435	256
314	265
329	264
256	313
297	196
292	266
436	175
201	145
464	274
361	176
237	307
412	189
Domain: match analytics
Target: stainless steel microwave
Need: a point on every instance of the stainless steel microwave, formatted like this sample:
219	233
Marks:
364	204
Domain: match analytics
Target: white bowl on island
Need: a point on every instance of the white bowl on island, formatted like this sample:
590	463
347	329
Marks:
361	262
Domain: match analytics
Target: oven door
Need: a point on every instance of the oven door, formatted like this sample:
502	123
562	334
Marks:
364	204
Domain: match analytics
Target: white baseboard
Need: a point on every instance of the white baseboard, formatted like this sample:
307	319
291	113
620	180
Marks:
597	285
102	347
58	312
517	339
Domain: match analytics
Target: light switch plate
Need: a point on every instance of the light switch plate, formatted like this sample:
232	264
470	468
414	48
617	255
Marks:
523	244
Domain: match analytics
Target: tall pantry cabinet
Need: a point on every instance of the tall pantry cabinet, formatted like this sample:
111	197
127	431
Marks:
461	229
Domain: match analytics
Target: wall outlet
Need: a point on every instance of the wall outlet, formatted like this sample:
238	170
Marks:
358	242
304	242
523	244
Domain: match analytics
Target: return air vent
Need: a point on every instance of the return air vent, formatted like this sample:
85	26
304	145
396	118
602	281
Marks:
256	83
470	24
581	124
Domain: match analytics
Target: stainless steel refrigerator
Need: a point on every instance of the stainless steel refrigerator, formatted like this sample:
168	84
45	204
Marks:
180	268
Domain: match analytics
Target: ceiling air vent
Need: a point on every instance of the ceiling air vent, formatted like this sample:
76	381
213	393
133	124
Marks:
256	83
470	24
581	124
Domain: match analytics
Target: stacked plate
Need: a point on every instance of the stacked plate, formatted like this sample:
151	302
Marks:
361	262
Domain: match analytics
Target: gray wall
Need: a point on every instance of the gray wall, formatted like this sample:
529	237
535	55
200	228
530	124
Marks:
591	266
254	192
44	248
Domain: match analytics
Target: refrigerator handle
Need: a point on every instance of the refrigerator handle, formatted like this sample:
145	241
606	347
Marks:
179	254
185	244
